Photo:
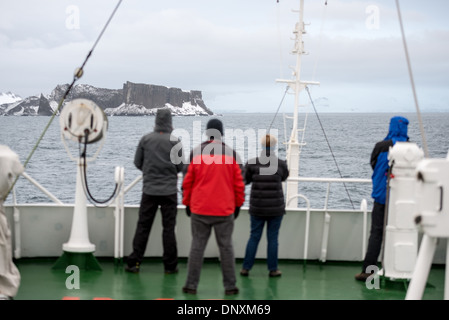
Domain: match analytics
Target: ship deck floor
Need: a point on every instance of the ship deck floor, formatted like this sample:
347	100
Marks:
300	280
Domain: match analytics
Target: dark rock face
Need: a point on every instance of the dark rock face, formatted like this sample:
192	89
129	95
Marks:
104	98
152	96
197	99
132	99
44	107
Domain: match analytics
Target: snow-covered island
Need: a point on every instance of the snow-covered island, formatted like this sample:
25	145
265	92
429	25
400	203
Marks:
134	99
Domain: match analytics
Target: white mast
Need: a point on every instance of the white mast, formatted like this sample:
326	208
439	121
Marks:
297	86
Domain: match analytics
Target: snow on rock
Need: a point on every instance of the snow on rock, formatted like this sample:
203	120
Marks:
9	97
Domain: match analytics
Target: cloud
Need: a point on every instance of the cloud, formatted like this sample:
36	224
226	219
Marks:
232	51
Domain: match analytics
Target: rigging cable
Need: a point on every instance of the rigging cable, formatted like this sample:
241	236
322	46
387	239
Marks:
333	156
426	152
390	169
78	74
281	62
280	104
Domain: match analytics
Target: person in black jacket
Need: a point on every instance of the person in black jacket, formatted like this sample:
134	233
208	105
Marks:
266	204
159	157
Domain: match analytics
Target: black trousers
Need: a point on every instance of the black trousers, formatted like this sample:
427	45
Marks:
148	208
376	236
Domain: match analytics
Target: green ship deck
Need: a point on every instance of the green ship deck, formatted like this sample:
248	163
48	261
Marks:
311	280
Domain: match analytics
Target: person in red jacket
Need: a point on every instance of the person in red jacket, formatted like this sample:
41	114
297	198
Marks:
213	192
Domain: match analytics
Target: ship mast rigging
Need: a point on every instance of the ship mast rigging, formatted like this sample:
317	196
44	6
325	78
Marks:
297	85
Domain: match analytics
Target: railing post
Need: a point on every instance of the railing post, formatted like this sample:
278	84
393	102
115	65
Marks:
48	193
306	236
118	214
364	208
326	223
16	218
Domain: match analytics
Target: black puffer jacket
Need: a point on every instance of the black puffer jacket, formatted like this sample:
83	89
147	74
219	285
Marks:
266	173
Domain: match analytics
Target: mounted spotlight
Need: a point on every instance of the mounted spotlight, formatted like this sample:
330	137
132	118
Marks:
81	118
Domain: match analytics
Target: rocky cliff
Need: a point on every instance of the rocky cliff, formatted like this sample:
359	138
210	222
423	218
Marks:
133	99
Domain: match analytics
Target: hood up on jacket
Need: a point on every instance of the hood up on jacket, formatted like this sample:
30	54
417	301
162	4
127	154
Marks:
163	122
398	129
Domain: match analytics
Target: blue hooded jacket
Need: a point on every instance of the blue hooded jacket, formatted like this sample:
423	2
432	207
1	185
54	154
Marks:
379	157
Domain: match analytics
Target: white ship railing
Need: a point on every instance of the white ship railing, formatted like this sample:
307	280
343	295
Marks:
327	217
119	214
40	187
16	215
119	210
306	234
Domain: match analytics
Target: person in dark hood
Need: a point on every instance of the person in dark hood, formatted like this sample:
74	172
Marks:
160	158
379	164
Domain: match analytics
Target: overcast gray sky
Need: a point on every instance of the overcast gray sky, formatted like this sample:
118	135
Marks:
233	50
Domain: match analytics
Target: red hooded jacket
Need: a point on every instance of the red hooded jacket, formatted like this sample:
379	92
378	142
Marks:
213	183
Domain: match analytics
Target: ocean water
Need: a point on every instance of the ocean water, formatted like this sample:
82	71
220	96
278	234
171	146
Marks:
335	144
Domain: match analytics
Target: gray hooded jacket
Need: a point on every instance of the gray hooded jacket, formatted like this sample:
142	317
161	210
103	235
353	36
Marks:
159	156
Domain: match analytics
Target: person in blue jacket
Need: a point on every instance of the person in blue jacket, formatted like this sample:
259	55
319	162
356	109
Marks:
379	163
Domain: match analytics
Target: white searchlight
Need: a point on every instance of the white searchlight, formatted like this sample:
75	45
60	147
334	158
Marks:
401	233
432	217
82	121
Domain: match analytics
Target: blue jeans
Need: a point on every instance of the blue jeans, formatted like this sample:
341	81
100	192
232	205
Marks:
257	225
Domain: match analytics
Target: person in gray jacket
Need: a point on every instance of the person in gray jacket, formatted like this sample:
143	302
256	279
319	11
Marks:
159	156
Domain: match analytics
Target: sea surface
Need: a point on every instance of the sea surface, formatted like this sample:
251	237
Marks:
336	145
